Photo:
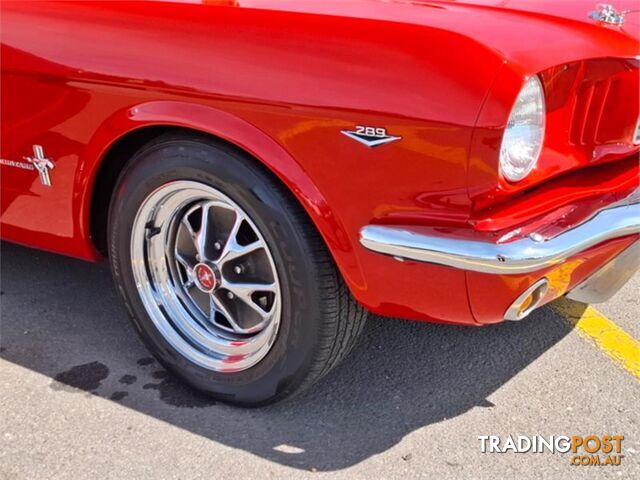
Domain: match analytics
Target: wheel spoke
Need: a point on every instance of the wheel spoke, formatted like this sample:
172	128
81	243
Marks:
217	305
187	225
188	268
232	249
231	240
236	250
201	236
183	261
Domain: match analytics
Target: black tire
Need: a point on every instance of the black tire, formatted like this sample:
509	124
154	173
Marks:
320	321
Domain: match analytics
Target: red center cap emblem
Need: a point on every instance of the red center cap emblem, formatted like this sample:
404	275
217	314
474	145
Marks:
205	277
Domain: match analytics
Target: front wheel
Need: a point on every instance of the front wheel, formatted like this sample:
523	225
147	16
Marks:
227	281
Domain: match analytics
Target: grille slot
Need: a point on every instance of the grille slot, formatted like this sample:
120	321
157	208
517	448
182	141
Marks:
589	112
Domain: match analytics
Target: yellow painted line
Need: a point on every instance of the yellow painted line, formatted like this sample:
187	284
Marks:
609	337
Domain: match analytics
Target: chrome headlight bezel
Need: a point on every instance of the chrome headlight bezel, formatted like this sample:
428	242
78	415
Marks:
523	137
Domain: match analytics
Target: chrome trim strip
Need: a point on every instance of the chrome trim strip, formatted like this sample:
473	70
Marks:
519	256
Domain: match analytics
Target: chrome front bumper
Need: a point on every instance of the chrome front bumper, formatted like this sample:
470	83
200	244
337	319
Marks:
522	255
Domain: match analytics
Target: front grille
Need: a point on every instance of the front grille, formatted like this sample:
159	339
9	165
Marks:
604	104
589	113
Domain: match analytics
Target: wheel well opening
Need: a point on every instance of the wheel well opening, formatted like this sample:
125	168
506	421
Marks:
120	154
112	165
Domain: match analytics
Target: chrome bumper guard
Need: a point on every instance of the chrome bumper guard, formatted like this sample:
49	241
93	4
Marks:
604	284
522	255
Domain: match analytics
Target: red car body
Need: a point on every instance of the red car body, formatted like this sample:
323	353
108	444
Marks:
281	79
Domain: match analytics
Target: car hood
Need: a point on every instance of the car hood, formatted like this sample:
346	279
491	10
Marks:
531	35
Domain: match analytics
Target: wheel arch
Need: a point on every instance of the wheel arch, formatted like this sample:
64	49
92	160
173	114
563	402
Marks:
118	138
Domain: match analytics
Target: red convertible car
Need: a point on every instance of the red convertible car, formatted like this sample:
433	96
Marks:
262	173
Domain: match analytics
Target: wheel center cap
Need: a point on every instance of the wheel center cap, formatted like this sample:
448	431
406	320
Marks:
205	277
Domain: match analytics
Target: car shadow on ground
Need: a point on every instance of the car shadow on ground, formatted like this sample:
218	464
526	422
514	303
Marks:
62	318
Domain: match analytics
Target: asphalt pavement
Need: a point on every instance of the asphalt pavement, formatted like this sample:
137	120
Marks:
80	397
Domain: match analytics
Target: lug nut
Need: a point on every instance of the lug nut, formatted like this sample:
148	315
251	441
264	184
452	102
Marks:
217	246
230	295
238	269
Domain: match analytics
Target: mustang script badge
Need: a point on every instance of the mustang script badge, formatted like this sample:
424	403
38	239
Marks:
370	136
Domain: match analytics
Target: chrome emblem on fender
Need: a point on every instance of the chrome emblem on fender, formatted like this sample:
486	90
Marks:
370	136
606	13
42	164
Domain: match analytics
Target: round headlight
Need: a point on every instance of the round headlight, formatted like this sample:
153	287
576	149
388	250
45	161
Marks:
523	137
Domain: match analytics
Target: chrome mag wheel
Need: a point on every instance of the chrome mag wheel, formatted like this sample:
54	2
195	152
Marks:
206	276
